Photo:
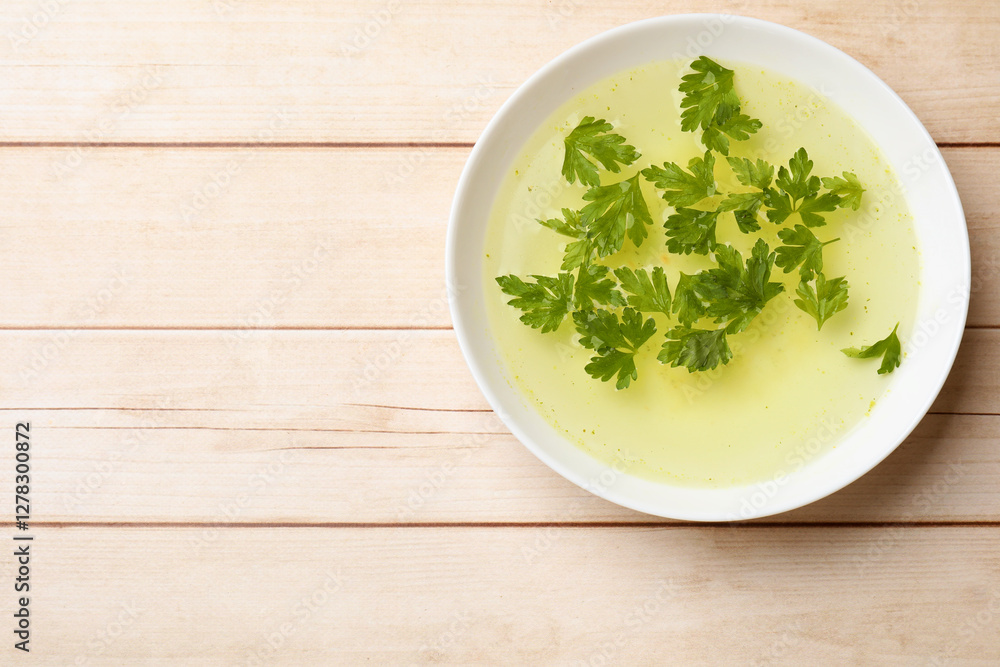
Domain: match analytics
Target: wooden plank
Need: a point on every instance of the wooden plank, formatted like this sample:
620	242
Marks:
535	595
972	386
947	471
270	238
305	374
381	427
221	70
227	238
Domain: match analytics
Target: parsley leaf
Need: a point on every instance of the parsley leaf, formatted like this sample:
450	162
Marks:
695	349
687	304
568	226
810	208
799	192
709	96
779	206
578	252
650	296
594	138
888	348
739	127
614	210
796	181
744	206
710	103
754	174
681	188
690	230
849	188
598	328
593	285
823	300
615	343
545	303
737	292
801	248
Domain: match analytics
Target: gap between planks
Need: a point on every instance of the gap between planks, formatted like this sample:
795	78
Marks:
322	144
196	327
663	523
359	405
366	327
250	144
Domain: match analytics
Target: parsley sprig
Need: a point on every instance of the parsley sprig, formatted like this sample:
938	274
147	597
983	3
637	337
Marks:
615	310
650	295
711	103
801	250
545	303
615	342
684	188
614	211
822	298
797	191
734	292
596	139
580	251
695	349
888	348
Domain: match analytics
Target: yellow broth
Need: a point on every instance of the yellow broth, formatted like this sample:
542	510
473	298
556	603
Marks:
788	393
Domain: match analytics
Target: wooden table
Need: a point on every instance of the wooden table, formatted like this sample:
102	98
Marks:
254	439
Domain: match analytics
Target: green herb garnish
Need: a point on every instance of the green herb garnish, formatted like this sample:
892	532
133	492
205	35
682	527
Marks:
798	192
613	211
848	188
688	305
613	308
578	252
684	188
740	291
646	294
822	298
615	343
695	349
888	348
745	205
593	286
594	137
690	230
711	103
802	249
545	302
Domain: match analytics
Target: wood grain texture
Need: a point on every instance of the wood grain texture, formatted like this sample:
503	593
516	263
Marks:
947	471
255	441
220	70
472	596
259	238
380	427
307	375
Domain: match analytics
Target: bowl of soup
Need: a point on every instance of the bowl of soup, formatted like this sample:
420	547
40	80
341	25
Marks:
759	164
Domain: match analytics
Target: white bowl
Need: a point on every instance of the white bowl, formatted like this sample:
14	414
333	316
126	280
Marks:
933	201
